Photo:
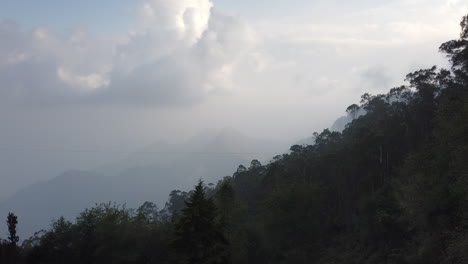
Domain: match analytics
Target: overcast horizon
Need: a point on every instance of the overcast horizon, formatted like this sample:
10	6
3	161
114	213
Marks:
125	74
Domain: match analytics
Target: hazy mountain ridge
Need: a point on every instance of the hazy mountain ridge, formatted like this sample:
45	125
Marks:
146	175
338	126
65	195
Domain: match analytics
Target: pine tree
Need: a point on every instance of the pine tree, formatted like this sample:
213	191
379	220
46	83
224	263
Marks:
12	221
198	238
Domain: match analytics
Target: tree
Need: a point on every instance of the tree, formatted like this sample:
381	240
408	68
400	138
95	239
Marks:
12	221
457	52
225	198
148	211
198	237
241	169
176	202
353	110
12	254
254	164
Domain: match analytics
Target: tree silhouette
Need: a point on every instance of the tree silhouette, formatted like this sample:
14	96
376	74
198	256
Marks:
12	254
12	221
353	110
197	235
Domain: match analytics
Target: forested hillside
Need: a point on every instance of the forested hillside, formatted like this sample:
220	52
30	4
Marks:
391	188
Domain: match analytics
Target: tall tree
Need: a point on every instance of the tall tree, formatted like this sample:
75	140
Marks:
12	221
198	237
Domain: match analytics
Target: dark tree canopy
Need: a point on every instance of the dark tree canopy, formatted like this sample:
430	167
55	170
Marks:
197	235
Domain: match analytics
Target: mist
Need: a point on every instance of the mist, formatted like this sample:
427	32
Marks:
80	98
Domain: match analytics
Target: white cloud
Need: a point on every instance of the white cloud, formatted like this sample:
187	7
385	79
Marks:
181	52
153	68
187	19
85	82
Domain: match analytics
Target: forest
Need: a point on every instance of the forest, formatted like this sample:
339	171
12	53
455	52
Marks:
391	188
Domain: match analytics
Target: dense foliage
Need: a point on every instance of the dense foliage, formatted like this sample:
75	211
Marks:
391	188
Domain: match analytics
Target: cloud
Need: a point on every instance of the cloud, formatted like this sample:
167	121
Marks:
185	19
179	72
180	53
39	67
376	78
183	52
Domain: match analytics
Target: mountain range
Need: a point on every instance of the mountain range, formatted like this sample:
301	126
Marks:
146	175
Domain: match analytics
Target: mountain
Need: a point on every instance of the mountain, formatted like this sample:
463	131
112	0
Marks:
146	175
227	142
338	126
209	155
64	195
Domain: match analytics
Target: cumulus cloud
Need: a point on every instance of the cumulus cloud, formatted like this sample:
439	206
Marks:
39	66
185	19
180	70
180	52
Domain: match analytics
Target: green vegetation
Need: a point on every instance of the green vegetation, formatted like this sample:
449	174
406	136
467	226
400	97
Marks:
391	188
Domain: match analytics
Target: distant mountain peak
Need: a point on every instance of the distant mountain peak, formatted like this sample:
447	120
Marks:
230	131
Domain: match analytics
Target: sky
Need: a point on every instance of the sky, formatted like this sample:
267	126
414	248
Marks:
84	82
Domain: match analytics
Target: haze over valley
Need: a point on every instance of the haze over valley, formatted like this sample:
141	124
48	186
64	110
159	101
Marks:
221	131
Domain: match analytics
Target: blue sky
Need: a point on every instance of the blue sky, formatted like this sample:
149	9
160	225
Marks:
109	14
118	15
64	14
106	14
